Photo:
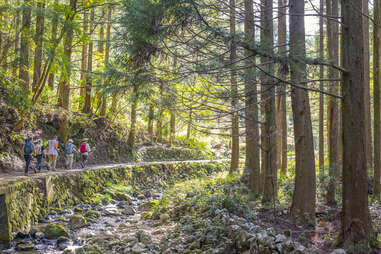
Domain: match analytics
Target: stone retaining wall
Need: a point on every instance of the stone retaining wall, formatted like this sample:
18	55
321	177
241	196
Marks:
22	203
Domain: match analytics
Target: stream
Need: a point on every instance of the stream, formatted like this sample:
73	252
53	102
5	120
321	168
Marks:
119	222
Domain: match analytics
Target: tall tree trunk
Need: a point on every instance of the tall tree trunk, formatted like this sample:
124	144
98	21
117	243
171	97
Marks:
132	134
51	77
38	41
332	114
64	83
7	42
356	227
269	146
151	114
376	97
252	128
172	127
189	123
321	96
304	197
159	126
368	124
281	105
87	105
25	45
107	54
234	92
84	59
17	39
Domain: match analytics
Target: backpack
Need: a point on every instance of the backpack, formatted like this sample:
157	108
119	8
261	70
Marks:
83	147
28	148
38	149
69	148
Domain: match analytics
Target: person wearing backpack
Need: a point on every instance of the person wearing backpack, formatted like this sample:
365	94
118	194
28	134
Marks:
69	154
28	149
53	152
84	150
39	151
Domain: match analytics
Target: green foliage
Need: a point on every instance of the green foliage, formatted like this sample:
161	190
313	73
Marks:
14	95
205	194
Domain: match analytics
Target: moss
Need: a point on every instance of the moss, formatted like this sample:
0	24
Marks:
78	210
77	221
88	250
92	215
53	231
25	246
27	200
146	215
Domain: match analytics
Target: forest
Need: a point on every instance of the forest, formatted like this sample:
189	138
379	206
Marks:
286	93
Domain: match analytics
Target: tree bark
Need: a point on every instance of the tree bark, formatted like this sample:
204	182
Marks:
107	54
269	146
251	121
132	134
64	84
303	200
51	77
24	46
17	38
332	114
38	41
84	59
172	127
356	227
88	89
368	124
376	95
151	114
281	105
234	163
321	96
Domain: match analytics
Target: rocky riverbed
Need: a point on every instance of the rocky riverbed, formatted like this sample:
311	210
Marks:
207	215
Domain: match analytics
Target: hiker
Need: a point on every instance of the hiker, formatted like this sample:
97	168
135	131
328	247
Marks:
53	152
39	152
84	150
69	154
28	149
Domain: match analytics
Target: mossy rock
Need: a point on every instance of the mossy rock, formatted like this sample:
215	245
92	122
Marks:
63	239
120	196
77	221
146	215
92	215
54	231
147	206
25	246
78	210
88	250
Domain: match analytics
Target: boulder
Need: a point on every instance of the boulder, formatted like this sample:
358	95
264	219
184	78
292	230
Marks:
129	210
143	237
25	246
92	215
138	248
53	231
39	235
164	217
77	221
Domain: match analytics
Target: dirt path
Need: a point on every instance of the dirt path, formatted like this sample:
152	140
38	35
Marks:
19	176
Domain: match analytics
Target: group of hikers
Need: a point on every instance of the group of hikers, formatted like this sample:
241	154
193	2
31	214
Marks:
36	148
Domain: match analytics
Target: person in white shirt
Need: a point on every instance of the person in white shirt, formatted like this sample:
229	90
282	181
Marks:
53	152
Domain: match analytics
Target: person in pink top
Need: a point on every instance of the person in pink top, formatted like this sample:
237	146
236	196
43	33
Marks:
84	150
